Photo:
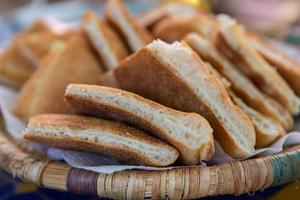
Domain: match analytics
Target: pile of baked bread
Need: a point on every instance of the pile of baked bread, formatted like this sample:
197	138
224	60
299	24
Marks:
152	89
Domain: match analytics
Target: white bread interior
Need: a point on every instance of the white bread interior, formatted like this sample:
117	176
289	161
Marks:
274	84
190	133
224	81
124	22
234	121
267	130
93	29
132	36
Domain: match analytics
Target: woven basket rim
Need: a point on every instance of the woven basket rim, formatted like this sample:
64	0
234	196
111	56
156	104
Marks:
237	177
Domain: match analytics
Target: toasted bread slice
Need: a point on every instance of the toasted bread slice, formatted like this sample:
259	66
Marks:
267	130
103	38
190	133
288	68
241	84
175	76
15	69
36	45
174	29
233	38
290	122
100	136
71	62
131	31
149	19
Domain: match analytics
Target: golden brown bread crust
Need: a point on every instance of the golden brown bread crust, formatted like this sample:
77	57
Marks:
117	7
288	68
72	62
174	29
171	9
114	43
144	74
109	79
233	42
80	123
240	84
86	105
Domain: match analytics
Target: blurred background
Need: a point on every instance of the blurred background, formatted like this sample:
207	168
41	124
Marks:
279	19
275	18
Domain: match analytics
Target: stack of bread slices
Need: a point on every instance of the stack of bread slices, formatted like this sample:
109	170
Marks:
155	89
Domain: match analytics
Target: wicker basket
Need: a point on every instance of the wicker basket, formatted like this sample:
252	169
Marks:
183	183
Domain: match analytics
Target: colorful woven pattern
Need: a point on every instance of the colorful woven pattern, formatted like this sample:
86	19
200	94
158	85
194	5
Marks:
194	182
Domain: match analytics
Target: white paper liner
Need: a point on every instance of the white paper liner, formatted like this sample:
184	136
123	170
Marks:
7	100
101	164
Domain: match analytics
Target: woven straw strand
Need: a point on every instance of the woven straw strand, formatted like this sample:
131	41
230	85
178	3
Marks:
18	163
189	183
55	176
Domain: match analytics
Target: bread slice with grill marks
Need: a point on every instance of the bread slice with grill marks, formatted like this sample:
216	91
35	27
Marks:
100	136
175	76
241	84
190	133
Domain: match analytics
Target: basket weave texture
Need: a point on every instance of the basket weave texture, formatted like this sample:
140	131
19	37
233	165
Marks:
184	183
